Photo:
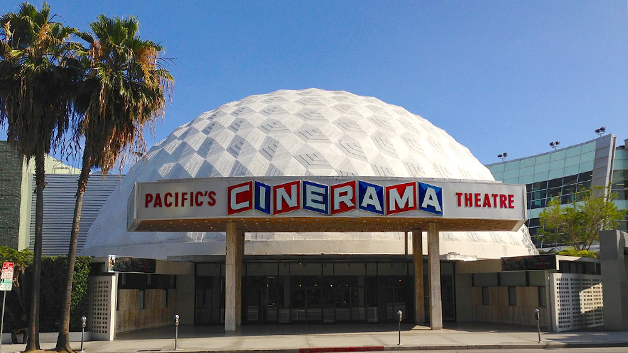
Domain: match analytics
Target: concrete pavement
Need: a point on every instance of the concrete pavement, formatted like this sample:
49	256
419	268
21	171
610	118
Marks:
339	338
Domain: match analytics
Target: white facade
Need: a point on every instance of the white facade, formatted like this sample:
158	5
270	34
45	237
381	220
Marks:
299	133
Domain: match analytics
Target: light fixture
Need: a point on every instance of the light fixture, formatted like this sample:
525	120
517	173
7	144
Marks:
554	144
600	131
502	155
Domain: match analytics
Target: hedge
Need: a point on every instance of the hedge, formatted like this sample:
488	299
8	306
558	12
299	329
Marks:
52	278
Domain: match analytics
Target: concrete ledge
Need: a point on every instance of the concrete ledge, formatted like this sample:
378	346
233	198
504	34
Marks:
50	337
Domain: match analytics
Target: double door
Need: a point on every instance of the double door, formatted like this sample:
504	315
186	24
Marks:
307	305
390	301
262	302
349	304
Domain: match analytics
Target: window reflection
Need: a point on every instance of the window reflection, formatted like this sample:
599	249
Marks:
314	292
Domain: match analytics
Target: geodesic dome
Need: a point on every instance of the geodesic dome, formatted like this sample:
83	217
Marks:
299	133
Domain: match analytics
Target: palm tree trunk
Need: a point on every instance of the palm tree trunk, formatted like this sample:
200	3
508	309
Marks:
63	340
33	320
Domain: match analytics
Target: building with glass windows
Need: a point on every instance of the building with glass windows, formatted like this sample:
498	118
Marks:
562	172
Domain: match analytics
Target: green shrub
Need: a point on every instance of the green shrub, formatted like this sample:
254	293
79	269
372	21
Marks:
52	287
52	283
18	299
578	253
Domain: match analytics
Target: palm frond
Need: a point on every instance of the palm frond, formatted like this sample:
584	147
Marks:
125	90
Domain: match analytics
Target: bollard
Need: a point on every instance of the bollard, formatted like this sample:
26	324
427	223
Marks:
400	316
537	316
176	331
83	324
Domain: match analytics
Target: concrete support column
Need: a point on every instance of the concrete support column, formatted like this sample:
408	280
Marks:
417	257
614	262
433	255
405	243
238	283
233	278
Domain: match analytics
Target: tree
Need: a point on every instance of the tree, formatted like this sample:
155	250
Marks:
124	88
21	260
579	222
35	104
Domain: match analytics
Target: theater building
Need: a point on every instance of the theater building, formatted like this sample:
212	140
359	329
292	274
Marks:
314	207
309	207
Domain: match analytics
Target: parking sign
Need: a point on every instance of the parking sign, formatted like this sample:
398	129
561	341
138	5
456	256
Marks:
6	278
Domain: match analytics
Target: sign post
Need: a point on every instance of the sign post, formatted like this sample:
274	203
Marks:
6	284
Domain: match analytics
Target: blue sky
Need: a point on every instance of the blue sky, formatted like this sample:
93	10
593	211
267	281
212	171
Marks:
499	76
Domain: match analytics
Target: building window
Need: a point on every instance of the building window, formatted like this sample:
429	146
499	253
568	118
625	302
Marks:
584	177
485	300
164	298
512	296
141	300
542	297
570	180
555	183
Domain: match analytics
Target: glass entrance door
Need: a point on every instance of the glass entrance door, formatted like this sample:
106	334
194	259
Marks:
312	293
262	299
448	298
209	301
391	300
447	291
314	305
307	305
350	304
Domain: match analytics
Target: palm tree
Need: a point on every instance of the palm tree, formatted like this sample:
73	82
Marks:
125	87
35	105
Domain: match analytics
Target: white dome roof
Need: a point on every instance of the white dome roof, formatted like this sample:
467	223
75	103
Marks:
298	133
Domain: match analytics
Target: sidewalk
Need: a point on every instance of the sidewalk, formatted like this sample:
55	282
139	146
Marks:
338	338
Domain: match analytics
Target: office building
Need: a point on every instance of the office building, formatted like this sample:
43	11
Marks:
562	172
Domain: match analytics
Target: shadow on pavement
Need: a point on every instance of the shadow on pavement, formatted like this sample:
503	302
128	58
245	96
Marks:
199	331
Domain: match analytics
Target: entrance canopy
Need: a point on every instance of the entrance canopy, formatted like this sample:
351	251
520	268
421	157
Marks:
325	204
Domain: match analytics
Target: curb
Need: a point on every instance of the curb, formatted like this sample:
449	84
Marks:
542	345
342	349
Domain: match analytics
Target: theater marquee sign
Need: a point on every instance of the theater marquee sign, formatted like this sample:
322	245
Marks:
325	204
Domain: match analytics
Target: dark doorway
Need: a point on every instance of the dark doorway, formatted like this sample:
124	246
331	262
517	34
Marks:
209	300
262	299
282	292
